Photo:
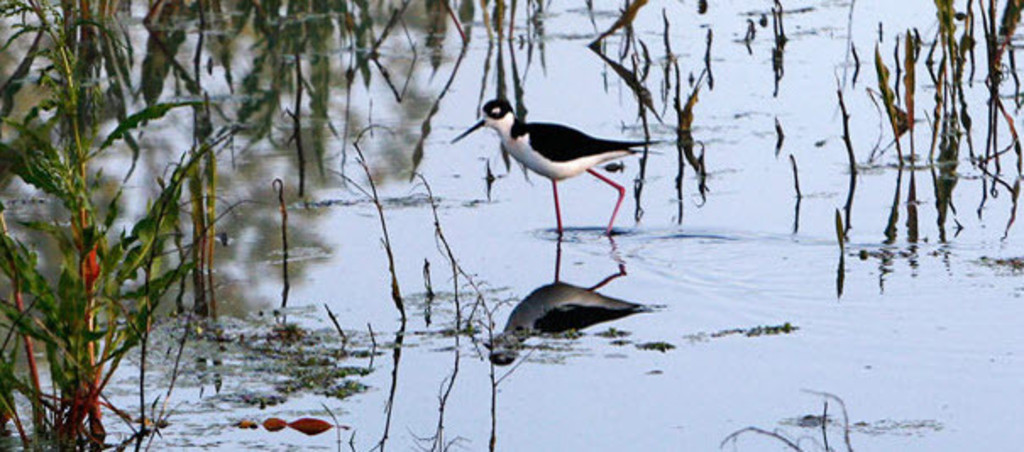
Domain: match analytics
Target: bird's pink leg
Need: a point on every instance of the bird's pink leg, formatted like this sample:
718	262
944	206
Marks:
558	258
558	212
622	194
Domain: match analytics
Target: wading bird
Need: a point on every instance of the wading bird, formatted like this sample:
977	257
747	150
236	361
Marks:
554	151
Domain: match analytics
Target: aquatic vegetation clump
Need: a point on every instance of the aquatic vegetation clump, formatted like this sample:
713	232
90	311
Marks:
1013	264
656	346
612	333
757	331
325	380
765	330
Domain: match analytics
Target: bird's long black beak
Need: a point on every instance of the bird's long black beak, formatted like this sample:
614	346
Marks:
471	130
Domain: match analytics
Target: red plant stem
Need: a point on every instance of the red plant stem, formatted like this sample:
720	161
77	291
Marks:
29	353
458	26
33	369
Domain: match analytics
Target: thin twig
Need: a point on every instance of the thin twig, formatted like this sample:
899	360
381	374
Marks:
396	293
373	343
341	332
796	177
846	134
775	435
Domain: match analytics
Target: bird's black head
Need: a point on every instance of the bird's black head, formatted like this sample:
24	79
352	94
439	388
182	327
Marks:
497	115
497	108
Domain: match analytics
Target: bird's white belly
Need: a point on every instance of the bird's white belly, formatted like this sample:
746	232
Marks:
521	151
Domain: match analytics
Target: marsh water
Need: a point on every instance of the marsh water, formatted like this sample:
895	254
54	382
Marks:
752	309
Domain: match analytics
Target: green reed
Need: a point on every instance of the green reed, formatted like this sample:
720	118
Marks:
109	279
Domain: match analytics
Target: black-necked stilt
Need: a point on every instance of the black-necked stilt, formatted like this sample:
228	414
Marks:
554	151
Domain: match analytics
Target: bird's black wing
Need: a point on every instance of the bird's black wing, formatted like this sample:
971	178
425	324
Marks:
578	317
561	144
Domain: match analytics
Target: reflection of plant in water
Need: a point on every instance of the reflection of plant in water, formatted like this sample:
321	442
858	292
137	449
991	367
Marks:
192	51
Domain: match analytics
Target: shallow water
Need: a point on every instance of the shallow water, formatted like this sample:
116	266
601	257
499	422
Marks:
922	344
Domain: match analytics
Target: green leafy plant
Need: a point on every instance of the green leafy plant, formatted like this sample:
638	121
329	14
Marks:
109	278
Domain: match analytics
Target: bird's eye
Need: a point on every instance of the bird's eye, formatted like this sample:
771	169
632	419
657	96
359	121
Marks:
496	112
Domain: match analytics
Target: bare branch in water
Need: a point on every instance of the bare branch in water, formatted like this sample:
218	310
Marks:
396	292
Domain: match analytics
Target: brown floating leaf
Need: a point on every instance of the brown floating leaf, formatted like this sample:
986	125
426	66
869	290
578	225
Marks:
246	424
274	424
311	426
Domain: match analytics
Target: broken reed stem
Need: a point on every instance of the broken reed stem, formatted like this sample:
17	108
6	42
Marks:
840	232
681	135
779	33
846	134
373	343
780	136
297	126
396	292
337	326
279	187
777	27
638	185
856	62
796	177
749	36
427	285
707	60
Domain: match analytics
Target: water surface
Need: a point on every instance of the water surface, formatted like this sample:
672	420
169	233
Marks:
916	333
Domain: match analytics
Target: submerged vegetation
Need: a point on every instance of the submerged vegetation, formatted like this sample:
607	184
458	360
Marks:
135	145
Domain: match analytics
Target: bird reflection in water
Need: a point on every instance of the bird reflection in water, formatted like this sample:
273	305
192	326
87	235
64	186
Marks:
559	307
